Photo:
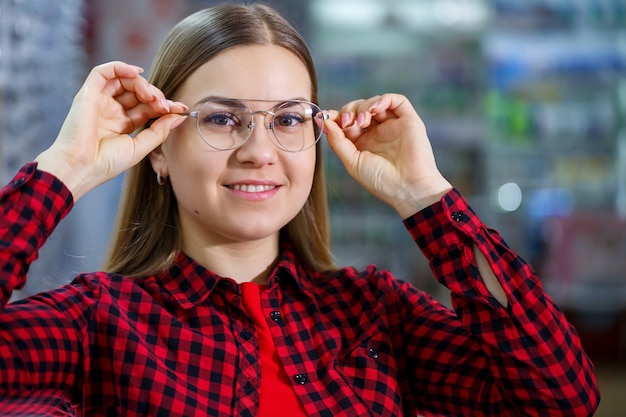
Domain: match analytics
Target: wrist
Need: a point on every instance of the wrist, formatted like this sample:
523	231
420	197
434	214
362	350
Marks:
48	161
414	199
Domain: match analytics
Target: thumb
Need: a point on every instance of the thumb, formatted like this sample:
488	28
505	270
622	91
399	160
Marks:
340	144
149	139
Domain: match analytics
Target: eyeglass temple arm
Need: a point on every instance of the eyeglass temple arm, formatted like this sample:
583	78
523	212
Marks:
325	116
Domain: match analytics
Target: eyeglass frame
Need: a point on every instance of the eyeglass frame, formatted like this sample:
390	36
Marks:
252	123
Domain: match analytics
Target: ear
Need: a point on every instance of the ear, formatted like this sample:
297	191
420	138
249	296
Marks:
158	162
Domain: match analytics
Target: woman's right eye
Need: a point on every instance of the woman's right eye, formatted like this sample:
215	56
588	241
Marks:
220	119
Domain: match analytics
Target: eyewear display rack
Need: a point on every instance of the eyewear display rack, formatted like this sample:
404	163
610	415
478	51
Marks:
42	63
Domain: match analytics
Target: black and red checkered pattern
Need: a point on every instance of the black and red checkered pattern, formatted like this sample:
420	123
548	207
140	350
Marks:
354	342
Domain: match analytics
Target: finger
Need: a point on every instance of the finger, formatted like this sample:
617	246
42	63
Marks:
358	112
355	125
392	106
354	132
347	119
148	139
351	121
176	107
144	91
360	105
124	88
137	85
352	106
333	115
103	73
127	99
349	113
142	113
343	147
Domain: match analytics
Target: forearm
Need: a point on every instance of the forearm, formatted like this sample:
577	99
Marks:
532	349
42	333
31	206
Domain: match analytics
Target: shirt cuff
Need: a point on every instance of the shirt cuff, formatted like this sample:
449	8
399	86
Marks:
443	224
49	199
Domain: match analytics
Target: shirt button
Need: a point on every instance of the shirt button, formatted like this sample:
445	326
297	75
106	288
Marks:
301	379
275	315
372	353
18	181
457	216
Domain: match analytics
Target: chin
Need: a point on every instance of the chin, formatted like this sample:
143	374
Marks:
254	233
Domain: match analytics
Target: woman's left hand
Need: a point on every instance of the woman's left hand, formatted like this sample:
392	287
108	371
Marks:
382	143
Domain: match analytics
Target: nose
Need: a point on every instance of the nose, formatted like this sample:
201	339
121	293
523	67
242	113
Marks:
259	148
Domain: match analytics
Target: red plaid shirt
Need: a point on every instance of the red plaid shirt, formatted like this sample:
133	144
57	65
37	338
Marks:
353	342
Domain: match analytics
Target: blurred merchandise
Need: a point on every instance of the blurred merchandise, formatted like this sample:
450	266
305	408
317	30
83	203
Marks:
42	63
585	263
527	96
554	110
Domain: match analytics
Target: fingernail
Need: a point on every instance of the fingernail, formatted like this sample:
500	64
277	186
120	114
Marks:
373	107
360	119
155	92
165	104
172	103
345	119
178	122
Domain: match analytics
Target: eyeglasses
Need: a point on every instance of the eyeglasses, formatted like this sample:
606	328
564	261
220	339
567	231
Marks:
225	124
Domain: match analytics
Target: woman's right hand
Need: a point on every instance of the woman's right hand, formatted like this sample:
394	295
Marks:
95	144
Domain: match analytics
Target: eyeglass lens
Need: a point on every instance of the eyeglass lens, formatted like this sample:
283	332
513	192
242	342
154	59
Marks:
227	124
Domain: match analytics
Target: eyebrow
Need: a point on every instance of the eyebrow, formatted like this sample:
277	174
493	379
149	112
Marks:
240	101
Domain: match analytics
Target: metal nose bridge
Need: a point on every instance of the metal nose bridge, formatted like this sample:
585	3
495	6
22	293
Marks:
252	123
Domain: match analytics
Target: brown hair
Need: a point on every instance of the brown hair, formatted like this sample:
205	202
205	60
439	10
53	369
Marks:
146	238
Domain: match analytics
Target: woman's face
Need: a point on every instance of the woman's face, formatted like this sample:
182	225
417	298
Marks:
249	193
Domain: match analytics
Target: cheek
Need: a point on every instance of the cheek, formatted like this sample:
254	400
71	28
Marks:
192	168
184	152
305	169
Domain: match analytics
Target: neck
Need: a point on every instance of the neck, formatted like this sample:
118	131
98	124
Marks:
241	261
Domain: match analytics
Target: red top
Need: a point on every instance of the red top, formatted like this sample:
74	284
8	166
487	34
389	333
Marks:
277	397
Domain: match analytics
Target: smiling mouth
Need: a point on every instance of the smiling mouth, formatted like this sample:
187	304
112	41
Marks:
250	188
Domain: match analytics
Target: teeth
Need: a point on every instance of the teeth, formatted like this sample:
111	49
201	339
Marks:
249	188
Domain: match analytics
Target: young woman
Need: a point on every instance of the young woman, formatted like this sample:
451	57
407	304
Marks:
220	297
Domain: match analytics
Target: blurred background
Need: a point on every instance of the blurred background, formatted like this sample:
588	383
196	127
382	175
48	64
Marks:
524	101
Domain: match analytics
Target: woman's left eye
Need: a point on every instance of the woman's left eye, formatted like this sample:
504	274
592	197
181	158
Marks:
290	119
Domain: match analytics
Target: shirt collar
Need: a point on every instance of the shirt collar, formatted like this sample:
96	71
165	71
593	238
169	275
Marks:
291	270
190	283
